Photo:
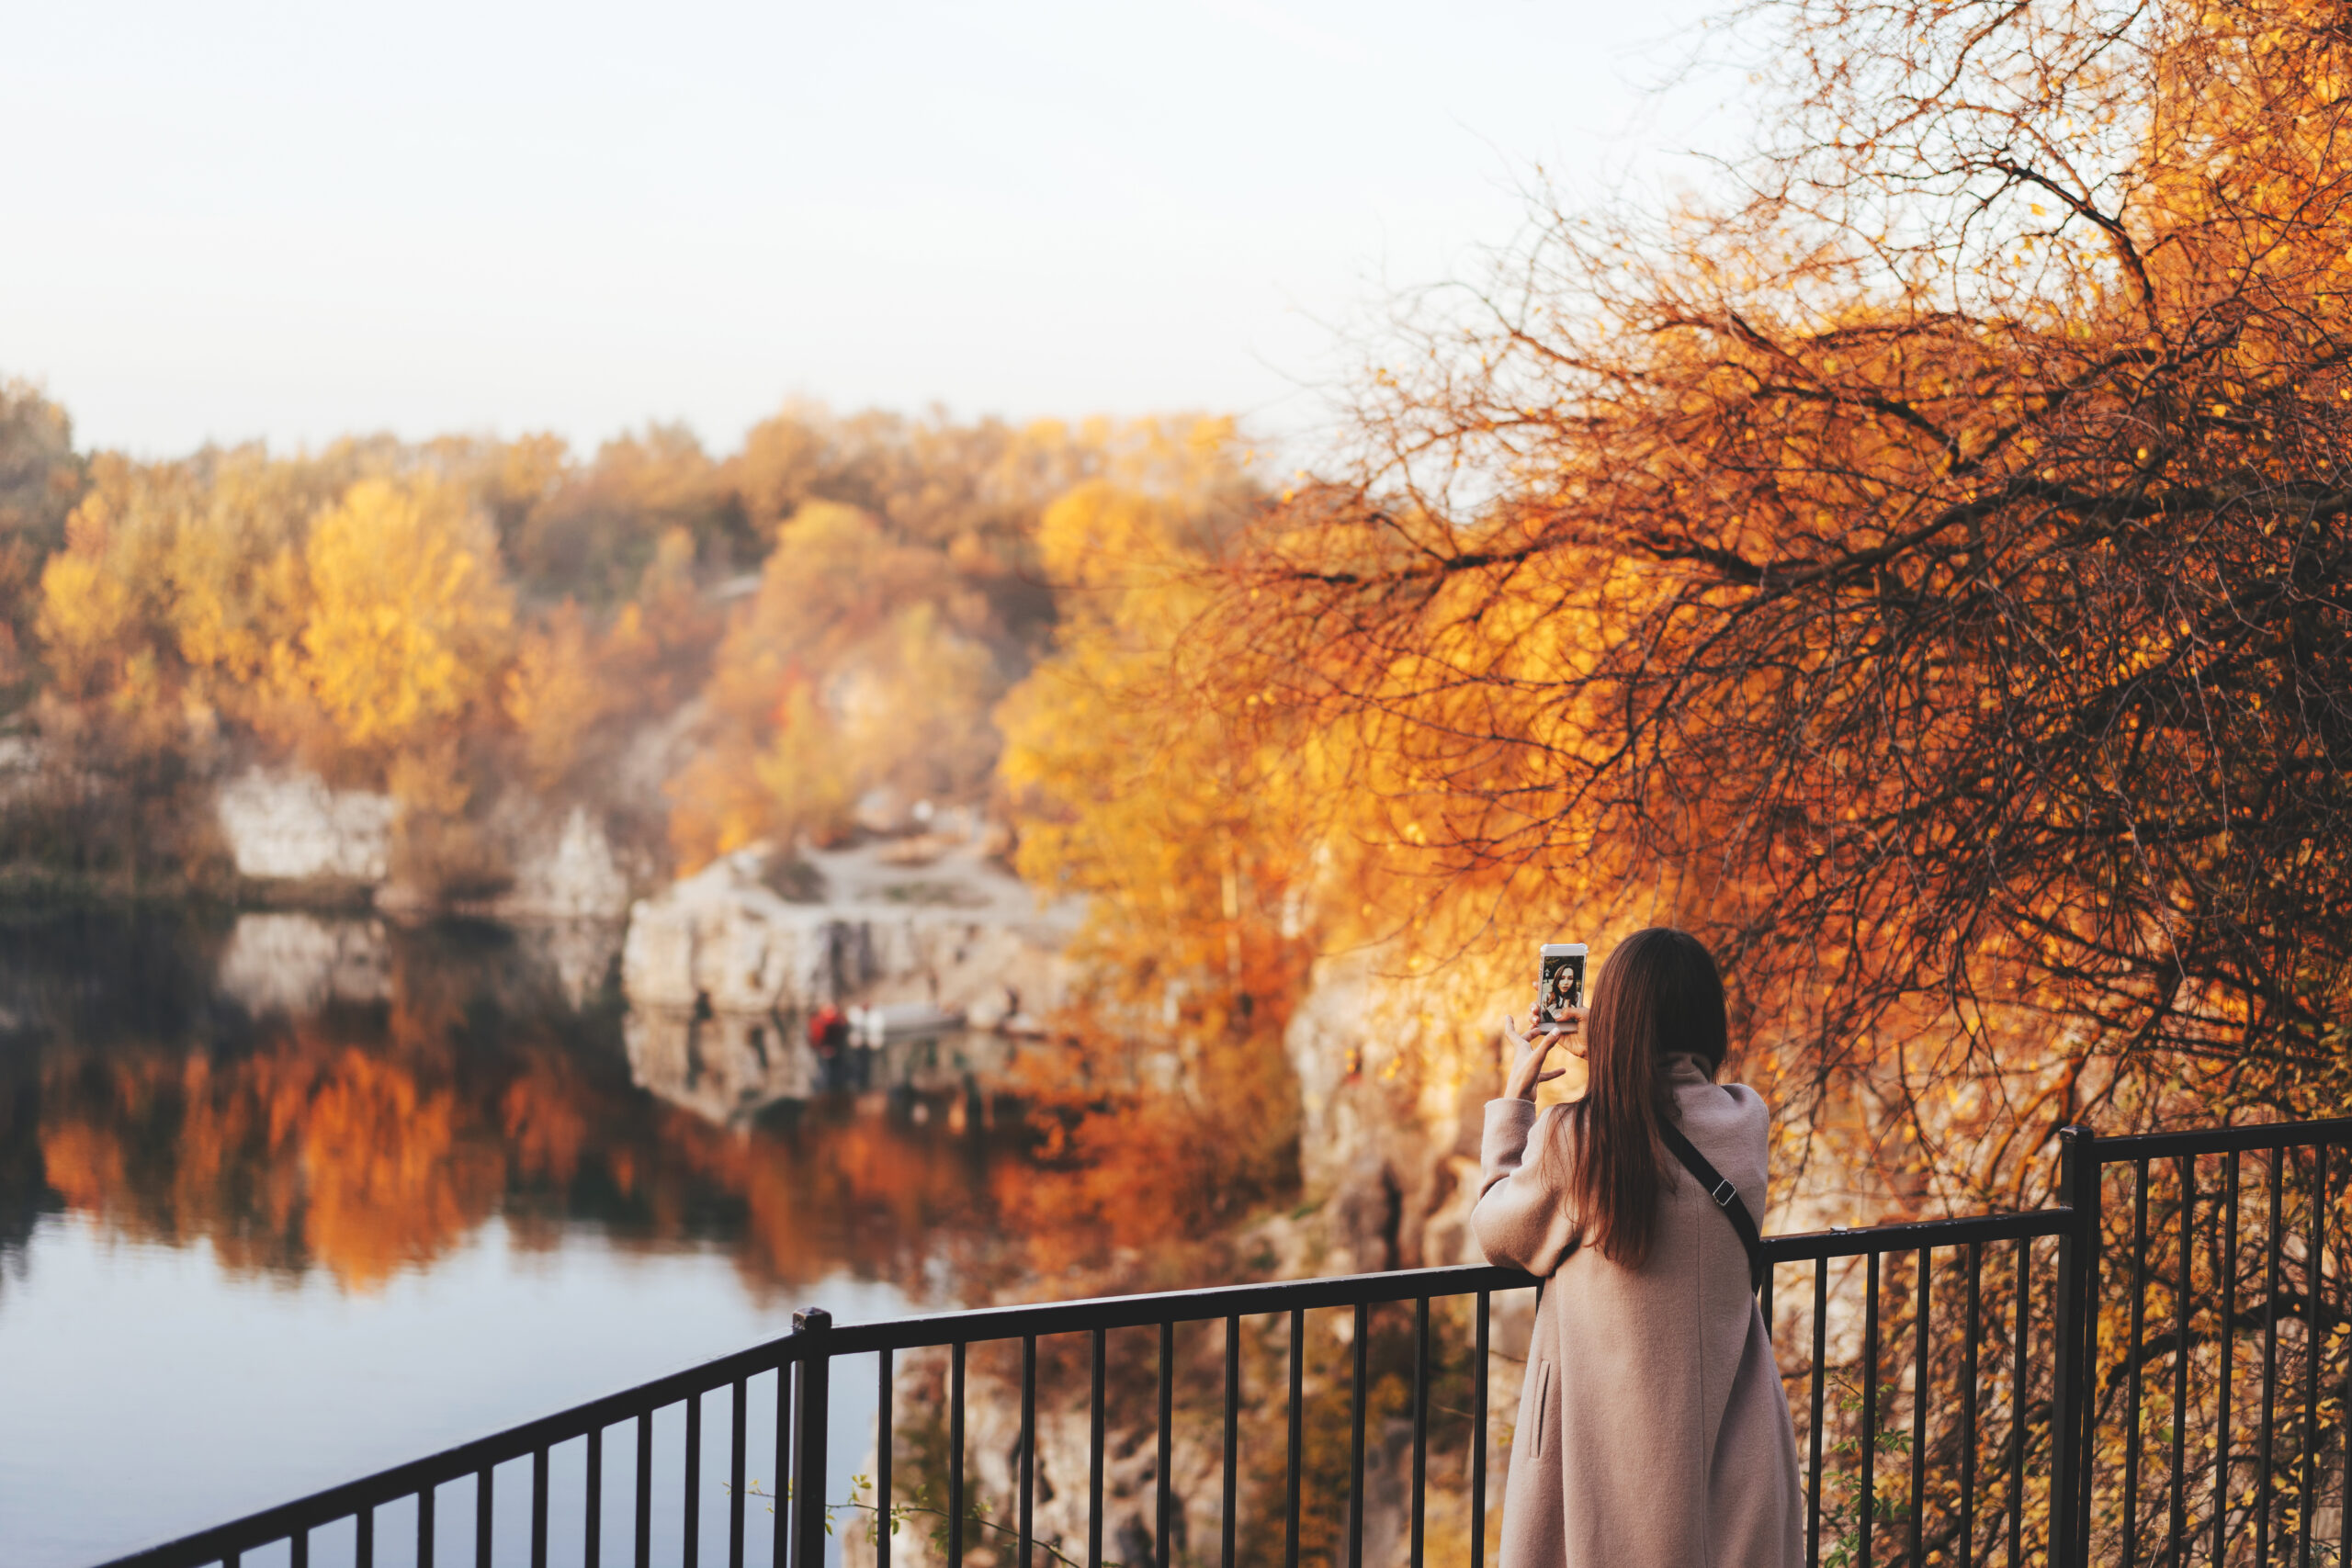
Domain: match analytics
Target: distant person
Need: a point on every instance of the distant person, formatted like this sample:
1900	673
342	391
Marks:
1653	1431
828	1030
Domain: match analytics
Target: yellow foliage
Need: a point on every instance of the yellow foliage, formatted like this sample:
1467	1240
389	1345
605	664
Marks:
556	694
860	665
1187	844
86	610
719	803
409	616
100	593
806	773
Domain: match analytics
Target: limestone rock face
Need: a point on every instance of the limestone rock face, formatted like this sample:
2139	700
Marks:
723	940
1394	1073
288	826
937	958
955	932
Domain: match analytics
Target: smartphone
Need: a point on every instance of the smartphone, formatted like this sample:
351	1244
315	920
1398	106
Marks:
1559	985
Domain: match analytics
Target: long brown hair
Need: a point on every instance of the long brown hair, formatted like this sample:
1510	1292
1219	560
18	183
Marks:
1659	996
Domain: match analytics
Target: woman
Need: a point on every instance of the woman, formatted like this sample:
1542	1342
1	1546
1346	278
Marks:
1653	1432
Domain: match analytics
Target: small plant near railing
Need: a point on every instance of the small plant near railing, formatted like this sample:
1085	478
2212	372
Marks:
921	1503
1839	1519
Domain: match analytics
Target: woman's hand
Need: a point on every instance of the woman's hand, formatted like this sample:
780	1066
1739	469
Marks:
1527	1070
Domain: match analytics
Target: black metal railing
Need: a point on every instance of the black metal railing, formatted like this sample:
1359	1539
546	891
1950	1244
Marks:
2061	1386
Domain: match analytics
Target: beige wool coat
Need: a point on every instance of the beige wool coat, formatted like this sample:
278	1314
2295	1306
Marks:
1653	1430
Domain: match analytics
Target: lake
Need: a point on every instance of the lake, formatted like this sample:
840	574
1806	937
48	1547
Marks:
285	1197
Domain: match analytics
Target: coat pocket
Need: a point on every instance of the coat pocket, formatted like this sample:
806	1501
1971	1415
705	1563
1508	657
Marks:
1543	1406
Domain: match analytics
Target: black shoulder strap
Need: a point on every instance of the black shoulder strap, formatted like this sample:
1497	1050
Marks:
1726	1196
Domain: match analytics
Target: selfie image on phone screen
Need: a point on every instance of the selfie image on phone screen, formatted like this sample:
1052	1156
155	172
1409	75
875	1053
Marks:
1559	987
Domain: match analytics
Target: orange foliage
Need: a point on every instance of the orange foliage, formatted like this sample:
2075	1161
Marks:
1170	1107
1858	569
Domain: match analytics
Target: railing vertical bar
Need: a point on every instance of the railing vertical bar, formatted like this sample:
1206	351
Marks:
885	1443
485	1488
591	1526
2225	1260
812	1419
2019	1340
1094	1457
2177	1529
424	1528
690	1543
737	1424
1866	1528
363	1544
1968	1405
780	1501
2313	1338
1867	1513
1919	1379
1165	1492
2074	1318
539	1506
1362	1347
299	1548
2344	1493
1232	1450
2273	1241
1764	1302
644	1519
1813	1434
2131	1357
1421	1426
1478	1356
955	1453
1028	1448
2094	1287
1290	1484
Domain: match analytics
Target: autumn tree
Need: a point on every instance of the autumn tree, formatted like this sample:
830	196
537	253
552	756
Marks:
448	617
902	597
1176	827
591	533
407	614
154	625
1921	569
974	491
41	477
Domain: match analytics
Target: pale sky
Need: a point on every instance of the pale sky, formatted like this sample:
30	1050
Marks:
240	218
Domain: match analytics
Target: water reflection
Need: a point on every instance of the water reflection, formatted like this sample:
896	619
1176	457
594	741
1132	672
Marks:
330	1192
731	1067
304	1092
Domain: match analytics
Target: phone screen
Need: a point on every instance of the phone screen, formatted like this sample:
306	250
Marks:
1559	985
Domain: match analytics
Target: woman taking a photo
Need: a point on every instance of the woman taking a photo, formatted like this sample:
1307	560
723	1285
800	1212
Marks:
1653	1431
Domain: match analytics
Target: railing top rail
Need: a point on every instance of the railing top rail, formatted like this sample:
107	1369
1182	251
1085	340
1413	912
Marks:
2222	1140
1908	1235
983	1323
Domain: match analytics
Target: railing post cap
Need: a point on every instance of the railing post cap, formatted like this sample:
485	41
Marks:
811	1320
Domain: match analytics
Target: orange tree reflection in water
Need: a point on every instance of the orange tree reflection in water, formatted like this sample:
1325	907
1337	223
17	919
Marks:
369	1138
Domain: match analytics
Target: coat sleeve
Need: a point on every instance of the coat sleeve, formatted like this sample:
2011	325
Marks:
1521	1220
